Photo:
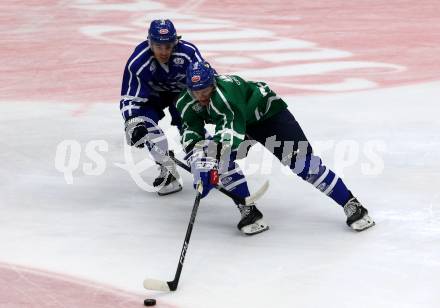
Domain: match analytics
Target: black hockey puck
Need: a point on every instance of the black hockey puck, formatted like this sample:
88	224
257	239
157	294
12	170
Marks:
149	302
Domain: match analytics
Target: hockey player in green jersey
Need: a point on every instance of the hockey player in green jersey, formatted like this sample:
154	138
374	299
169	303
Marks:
241	110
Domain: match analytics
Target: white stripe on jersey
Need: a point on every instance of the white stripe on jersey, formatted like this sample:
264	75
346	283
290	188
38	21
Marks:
269	102
186	143
234	133
224	121
225	100
195	52
129	67
188	132
145	64
179	100
129	107
257	114
182	54
139	71
134	99
186	107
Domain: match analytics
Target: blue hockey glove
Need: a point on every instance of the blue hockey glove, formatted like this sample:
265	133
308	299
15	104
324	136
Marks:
204	170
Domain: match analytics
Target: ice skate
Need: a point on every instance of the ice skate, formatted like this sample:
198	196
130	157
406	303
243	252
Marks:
251	220
168	179
357	216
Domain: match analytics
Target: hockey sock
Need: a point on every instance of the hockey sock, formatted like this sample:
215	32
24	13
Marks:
234	181
324	179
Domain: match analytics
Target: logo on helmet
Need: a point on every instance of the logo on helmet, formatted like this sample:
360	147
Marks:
163	31
195	78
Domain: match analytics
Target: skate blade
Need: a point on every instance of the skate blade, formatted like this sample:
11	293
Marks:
255	228
169	189
363	224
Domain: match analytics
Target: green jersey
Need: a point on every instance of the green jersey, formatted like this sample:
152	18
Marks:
235	103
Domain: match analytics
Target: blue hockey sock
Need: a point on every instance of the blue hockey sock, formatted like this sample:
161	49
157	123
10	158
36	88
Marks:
324	179
331	185
234	181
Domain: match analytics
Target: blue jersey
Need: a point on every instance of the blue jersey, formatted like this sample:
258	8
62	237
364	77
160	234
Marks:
145	78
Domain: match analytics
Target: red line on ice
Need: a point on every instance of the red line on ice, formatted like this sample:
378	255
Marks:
25	287
46	57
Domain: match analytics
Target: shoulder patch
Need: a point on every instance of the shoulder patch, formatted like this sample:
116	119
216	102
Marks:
178	61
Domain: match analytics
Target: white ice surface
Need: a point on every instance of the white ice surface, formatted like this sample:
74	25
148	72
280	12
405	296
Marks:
104	228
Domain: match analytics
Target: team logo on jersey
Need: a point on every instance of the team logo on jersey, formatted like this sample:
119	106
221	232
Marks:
163	31
197	108
178	61
195	78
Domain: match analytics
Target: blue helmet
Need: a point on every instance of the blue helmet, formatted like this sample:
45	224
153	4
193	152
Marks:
162	31
199	75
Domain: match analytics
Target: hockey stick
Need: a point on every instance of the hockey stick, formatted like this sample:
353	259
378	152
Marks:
244	201
159	285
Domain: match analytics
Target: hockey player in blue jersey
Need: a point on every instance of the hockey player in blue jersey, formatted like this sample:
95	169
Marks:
153	78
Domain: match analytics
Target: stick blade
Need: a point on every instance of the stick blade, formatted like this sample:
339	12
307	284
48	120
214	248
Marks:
157	285
257	195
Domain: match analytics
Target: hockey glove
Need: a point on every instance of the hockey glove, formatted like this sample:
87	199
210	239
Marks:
135	132
204	170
